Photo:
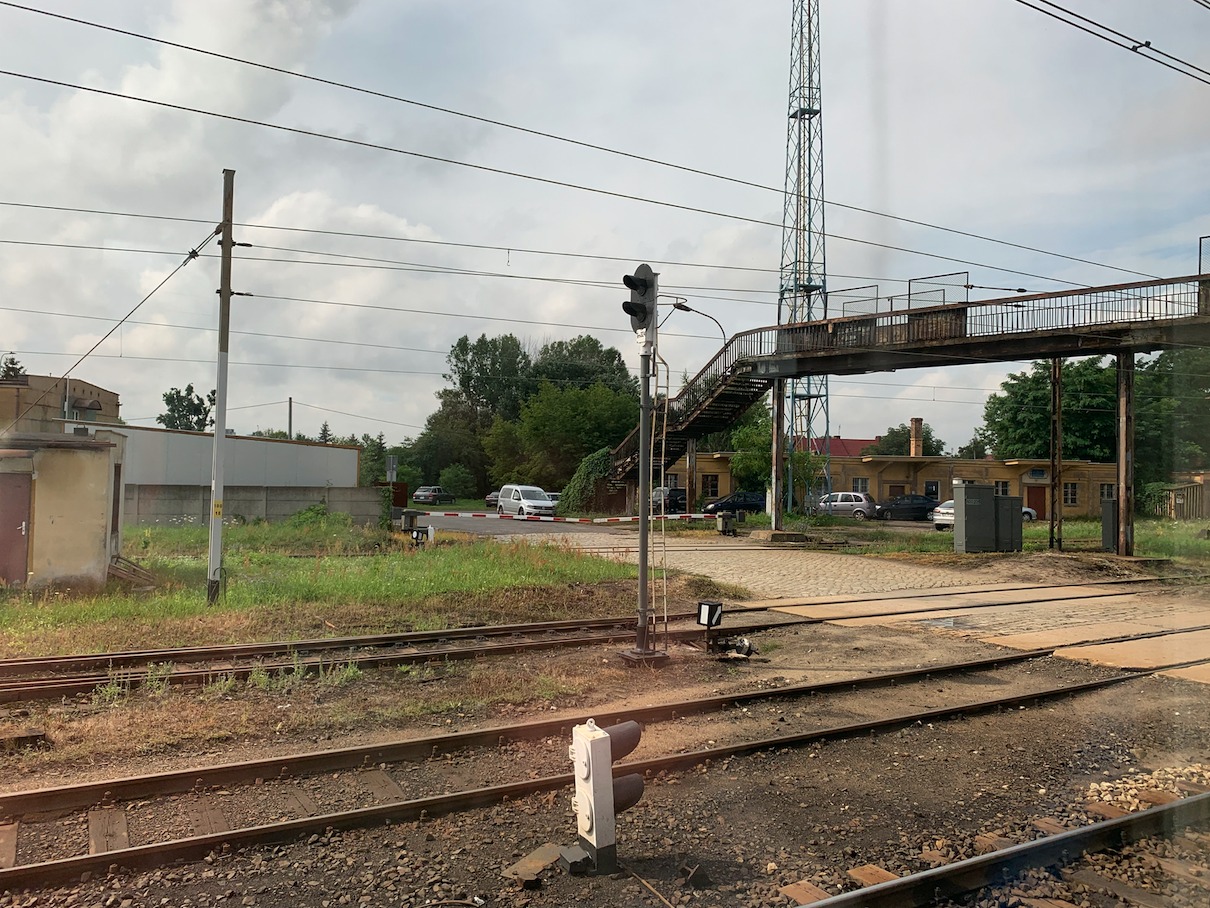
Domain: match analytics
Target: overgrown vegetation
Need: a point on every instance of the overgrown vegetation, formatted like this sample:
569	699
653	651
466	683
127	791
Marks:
270	593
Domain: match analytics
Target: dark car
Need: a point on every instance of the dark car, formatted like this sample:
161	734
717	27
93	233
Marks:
752	502
668	501
907	507
492	499
432	495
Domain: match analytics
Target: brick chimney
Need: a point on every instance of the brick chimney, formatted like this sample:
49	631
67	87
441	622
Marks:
917	444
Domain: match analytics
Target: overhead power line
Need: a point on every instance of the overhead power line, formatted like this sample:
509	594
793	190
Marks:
552	136
512	173
190	256
1105	33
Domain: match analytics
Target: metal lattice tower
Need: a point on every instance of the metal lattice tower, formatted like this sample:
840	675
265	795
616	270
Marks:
803	291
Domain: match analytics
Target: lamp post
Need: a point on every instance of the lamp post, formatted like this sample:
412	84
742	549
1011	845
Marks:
684	307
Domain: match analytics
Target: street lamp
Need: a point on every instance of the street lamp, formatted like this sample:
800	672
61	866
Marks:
684	307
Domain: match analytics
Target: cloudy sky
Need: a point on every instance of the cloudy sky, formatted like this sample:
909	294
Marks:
987	117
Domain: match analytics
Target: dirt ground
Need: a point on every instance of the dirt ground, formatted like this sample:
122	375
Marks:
749	824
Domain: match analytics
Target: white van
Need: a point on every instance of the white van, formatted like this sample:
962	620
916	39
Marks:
525	501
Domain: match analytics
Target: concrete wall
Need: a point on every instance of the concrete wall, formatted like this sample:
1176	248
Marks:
173	457
186	504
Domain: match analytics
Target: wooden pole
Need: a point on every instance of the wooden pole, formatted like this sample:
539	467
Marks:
1056	453
1125	454
215	565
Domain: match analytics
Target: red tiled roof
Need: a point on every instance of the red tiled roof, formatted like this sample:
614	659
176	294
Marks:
839	447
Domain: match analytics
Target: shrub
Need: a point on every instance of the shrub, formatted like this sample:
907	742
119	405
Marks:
580	493
458	481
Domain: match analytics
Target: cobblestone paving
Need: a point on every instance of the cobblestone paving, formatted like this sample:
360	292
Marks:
770	573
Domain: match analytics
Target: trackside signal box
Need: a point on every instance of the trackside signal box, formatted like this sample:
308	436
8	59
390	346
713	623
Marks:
599	796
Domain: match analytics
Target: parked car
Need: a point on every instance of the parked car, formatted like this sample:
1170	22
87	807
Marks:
907	507
736	502
492	499
554	496
525	501
432	495
858	505
665	500
942	516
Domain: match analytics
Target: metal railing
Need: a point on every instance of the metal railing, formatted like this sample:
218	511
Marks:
1120	303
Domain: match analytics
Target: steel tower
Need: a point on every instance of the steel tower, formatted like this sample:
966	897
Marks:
801	406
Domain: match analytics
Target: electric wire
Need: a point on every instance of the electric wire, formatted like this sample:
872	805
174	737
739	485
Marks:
189	257
294	130
554	137
1134	47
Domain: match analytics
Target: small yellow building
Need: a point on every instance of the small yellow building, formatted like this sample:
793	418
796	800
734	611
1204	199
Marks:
1085	485
61	505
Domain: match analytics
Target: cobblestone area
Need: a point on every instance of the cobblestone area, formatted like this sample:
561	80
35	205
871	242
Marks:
769	573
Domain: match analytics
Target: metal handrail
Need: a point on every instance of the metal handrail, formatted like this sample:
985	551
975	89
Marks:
1153	300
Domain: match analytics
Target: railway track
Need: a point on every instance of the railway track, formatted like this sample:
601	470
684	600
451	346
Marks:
54	677
383	773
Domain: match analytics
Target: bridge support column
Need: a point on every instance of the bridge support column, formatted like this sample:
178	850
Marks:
691	476
1056	453
777	491
1125	454
1203	297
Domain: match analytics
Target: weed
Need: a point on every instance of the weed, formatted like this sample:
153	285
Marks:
219	687
259	678
339	675
110	693
156	681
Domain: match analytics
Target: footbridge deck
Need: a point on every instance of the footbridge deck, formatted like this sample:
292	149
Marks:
1121	318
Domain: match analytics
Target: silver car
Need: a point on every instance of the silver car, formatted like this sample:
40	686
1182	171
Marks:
525	501
858	505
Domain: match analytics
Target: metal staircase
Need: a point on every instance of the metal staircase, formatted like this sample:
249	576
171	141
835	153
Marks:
709	402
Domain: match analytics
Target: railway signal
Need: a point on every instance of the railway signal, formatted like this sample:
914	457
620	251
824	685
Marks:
641	307
599	796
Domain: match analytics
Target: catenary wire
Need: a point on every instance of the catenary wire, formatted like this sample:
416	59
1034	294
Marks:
1134	48
554	137
189	257
294	130
313	366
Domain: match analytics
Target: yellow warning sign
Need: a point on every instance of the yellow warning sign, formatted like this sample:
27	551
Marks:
218	510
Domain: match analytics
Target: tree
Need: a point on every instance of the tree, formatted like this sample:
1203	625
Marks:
897	442
458	481
451	435
492	375
583	362
187	410
1016	422
505	452
10	368
978	447
725	439
325	434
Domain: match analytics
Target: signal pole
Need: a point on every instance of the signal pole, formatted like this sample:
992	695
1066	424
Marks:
641	307
215	564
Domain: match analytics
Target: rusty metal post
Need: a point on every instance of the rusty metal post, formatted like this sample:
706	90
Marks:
777	502
691	476
1126	454
1056	453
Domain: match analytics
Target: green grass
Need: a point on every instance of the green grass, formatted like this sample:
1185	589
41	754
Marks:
271	595
303	534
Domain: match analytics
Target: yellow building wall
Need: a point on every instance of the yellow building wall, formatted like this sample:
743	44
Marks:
884	473
708	464
71	516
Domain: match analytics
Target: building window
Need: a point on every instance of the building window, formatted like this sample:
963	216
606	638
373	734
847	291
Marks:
1037	474
932	489
710	485
1070	495
673	480
861	484
1109	491
1002	488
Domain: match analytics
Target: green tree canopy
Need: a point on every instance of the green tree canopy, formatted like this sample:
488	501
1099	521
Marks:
493	374
897	442
10	368
451	435
583	362
187	410
560	426
458	481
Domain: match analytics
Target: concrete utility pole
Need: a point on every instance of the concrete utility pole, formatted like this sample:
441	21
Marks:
1126	453
215	566
1056	453
290	420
